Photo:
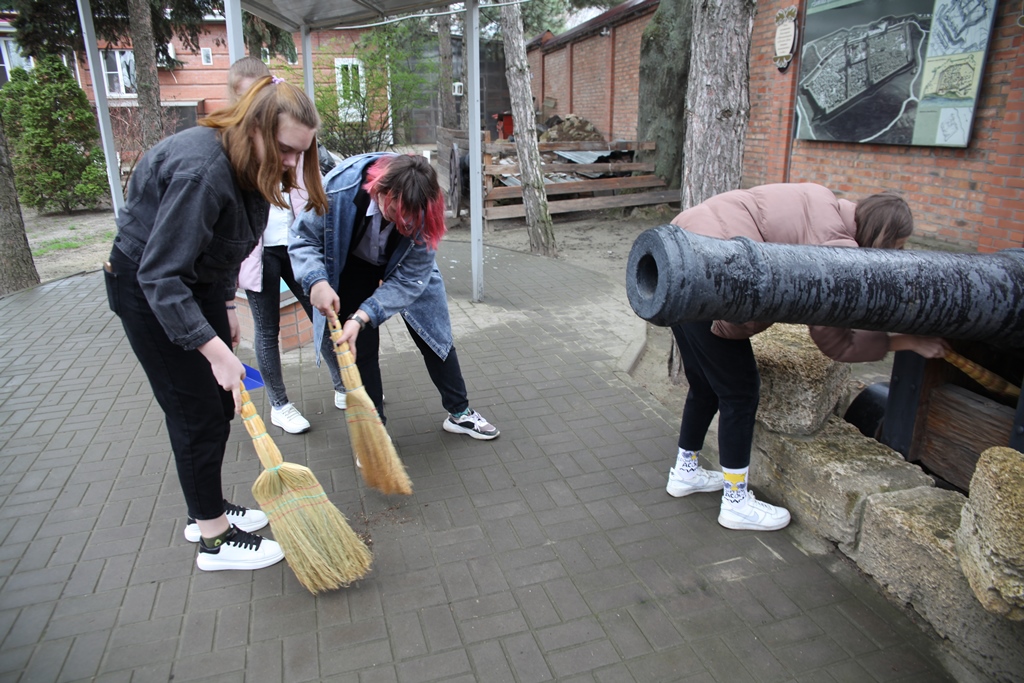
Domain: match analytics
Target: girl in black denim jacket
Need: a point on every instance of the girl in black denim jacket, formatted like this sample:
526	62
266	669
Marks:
197	204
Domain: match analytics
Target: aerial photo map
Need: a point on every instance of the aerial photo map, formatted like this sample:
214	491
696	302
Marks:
900	72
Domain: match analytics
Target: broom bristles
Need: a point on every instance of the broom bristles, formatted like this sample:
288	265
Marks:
319	545
381	467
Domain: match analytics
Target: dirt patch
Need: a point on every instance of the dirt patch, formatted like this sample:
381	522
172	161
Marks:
68	244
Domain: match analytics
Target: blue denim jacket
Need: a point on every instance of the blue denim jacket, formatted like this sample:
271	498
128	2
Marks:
188	226
319	247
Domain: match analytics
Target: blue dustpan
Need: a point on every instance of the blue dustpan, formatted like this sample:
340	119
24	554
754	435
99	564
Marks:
253	378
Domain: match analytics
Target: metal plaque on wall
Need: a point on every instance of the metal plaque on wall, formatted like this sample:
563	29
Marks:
900	72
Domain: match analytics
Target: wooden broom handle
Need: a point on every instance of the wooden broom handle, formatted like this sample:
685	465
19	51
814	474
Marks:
982	376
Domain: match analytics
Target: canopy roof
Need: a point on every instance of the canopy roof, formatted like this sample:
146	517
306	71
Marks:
318	14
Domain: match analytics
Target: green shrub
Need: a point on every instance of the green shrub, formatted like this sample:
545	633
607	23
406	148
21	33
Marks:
52	135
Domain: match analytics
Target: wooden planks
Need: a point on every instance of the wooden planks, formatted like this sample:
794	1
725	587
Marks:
588	204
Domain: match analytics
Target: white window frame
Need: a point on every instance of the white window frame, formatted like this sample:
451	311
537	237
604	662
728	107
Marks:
206	54
12	57
125	71
343	82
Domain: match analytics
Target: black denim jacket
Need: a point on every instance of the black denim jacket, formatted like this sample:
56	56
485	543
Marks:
188	226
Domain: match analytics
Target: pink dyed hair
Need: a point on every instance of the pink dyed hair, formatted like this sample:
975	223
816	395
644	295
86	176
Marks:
410	182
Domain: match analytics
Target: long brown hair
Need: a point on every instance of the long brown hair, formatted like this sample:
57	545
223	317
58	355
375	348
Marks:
261	108
882	220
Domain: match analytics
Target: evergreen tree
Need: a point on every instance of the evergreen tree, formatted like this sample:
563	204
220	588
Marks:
53	144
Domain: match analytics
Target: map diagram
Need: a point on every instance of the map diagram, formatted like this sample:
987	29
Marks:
892	71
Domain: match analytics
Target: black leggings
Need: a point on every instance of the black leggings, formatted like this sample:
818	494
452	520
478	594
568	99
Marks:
723	378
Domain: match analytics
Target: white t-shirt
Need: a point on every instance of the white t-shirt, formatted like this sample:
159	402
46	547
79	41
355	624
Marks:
276	234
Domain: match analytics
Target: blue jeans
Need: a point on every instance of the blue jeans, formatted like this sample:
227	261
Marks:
197	410
266	316
723	379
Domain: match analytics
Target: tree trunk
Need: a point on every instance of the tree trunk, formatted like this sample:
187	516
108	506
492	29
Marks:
664	71
449	115
517	71
717	98
17	269
717	106
147	80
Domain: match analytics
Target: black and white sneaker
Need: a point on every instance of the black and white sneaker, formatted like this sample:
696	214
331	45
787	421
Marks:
471	423
238	550
242	517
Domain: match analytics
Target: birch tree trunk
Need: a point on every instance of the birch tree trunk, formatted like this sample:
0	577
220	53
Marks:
517	72
717	98
18	270
147	80
449	115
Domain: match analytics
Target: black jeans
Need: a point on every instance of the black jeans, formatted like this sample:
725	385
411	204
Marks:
359	279
723	378
198	411
266	316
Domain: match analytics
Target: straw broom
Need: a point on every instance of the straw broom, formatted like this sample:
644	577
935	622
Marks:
380	465
982	376
318	543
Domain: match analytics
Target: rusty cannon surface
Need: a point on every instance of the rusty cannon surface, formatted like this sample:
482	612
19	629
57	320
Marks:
675	276
929	411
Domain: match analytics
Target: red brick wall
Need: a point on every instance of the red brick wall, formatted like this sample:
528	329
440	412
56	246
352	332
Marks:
595	77
972	197
626	93
591	81
556	82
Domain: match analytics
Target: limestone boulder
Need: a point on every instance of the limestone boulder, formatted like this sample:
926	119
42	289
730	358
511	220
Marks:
990	537
824	480
800	386
907	543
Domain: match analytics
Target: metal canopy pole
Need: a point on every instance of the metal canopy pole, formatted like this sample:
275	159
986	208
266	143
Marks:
99	91
307	61
233	24
476	174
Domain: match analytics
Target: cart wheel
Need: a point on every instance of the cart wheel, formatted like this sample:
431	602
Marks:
454	181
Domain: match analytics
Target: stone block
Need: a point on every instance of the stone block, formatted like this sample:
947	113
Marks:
990	538
907	544
824	480
800	386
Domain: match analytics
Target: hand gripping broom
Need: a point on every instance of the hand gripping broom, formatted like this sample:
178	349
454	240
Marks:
318	543
379	463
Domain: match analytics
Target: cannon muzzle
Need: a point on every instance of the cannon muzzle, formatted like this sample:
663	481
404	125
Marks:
677	276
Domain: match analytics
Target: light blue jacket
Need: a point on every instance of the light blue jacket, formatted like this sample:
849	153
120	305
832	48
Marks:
319	247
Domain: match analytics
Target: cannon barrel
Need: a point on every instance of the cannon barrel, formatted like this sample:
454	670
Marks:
675	276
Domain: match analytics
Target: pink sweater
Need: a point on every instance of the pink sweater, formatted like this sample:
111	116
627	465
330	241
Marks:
787	213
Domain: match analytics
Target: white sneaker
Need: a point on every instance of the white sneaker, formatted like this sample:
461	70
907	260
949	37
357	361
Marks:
339	400
288	418
242	517
753	514
703	481
472	424
240	550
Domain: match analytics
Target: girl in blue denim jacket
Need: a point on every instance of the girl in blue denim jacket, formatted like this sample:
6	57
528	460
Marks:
197	204
372	256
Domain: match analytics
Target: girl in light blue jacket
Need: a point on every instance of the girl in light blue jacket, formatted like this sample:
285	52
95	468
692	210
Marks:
371	256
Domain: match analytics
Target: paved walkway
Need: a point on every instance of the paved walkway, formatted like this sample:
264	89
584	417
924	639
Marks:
551	553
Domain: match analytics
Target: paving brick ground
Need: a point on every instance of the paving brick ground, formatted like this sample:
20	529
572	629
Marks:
551	553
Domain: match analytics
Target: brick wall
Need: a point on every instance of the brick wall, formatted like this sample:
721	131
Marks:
971	197
626	84
556	83
591	81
